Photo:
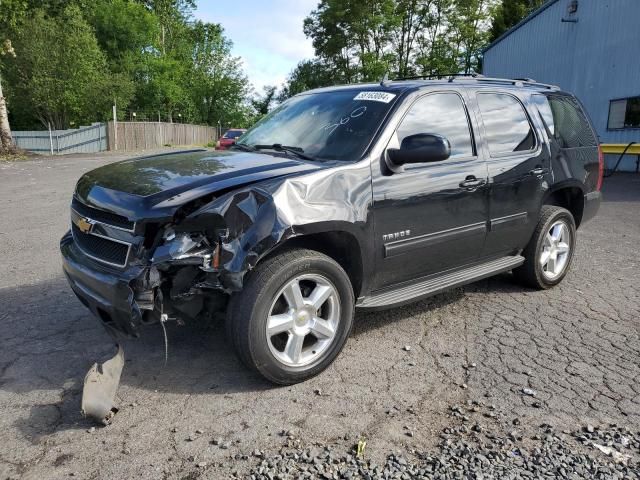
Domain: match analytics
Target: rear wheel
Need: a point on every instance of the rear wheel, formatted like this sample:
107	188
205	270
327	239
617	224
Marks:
550	250
293	316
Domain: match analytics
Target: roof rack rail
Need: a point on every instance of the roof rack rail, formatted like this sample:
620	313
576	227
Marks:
519	82
440	76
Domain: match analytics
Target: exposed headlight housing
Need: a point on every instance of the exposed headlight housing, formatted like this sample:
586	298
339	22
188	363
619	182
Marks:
182	247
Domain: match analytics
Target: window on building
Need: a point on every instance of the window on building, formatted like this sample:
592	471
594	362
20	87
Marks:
506	124
624	113
441	114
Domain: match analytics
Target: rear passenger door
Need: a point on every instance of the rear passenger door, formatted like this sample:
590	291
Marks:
519	168
574	146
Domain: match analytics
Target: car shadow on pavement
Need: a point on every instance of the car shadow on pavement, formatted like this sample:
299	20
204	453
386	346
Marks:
367	321
51	340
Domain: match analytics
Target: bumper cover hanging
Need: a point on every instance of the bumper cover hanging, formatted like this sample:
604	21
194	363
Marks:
100	387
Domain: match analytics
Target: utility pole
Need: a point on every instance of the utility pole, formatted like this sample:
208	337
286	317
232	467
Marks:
115	127
50	138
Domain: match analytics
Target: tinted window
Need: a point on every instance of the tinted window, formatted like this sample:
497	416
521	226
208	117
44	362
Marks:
572	126
544	108
442	114
506	124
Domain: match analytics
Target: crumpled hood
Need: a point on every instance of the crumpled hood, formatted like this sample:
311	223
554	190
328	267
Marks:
134	187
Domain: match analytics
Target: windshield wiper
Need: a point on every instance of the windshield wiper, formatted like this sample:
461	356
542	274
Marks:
244	147
278	147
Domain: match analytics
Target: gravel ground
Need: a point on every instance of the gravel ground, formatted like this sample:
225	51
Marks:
543	375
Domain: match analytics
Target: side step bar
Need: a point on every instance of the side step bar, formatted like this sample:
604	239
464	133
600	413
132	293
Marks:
433	286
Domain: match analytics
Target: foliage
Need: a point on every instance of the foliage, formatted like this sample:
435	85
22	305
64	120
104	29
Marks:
59	73
358	41
262	104
76	57
509	12
218	83
307	75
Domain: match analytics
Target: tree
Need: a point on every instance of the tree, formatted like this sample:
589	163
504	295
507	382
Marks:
125	32
509	12
172	16
60	74
470	32
6	139
412	18
218	85
262	104
352	36
361	41
307	75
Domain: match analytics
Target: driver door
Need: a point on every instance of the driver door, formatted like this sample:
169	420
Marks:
430	217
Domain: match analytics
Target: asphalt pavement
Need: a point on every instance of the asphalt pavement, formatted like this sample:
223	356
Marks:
567	357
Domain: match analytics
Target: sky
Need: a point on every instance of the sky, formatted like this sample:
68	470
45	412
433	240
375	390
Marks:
266	34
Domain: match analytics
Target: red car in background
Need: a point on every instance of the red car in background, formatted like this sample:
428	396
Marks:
229	138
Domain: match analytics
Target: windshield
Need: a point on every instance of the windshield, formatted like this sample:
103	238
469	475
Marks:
336	125
233	134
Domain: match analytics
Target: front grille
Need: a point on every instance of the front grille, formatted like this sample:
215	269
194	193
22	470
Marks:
102	249
102	216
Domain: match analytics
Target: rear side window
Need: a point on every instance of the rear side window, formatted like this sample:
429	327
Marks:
542	103
442	114
506	124
570	125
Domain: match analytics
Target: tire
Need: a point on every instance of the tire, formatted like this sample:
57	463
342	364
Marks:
534	272
270	299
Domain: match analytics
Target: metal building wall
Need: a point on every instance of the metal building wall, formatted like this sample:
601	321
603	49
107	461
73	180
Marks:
597	58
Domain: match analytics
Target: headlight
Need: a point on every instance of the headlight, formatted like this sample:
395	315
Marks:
180	247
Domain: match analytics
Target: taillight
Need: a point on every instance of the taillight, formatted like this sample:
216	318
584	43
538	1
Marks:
600	168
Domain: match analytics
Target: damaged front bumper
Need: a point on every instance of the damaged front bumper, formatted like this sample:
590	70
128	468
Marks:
108	294
123	301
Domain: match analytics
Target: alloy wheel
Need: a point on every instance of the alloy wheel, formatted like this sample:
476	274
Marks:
554	255
303	320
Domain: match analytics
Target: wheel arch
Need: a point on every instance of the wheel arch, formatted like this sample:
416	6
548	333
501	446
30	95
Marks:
569	195
340	245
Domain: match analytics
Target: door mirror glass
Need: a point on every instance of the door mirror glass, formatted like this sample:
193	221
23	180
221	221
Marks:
420	148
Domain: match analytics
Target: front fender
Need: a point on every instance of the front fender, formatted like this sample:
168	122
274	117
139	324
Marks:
258	218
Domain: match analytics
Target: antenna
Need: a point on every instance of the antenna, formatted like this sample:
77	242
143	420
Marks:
385	80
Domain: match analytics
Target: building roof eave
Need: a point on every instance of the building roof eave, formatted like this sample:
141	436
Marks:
527	19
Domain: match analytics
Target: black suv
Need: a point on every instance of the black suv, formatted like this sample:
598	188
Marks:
362	196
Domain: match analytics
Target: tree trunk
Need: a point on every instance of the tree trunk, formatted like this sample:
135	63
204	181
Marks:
6	144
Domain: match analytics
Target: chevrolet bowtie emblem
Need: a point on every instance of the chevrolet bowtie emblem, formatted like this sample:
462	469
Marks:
84	225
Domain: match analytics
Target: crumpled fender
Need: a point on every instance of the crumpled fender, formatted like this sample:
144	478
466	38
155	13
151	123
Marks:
259	217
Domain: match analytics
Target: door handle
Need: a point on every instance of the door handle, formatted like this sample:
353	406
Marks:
472	182
538	171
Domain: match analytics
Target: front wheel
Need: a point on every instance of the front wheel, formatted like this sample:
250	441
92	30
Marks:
550	250
293	316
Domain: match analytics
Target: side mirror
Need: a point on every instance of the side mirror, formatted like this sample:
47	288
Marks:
420	148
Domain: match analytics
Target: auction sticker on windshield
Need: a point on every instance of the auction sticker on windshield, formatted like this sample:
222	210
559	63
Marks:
383	97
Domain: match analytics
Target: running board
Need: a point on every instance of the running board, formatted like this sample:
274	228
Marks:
433	286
